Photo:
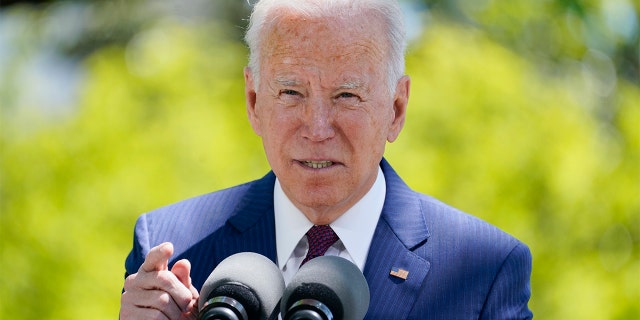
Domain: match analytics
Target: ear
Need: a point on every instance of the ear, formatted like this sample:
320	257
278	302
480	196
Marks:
400	102
250	98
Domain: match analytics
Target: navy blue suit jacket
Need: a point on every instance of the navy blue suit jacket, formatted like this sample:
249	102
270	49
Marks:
460	267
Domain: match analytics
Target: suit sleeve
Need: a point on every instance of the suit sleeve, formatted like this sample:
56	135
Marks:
511	289
140	247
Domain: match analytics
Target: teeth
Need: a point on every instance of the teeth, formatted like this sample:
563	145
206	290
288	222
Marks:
317	164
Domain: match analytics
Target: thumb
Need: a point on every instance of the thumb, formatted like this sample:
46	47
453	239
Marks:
158	258
182	270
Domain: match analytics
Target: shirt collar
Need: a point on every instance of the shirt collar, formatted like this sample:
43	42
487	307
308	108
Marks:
355	227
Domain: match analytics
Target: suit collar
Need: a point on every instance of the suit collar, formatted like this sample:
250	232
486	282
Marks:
401	230
402	210
257	202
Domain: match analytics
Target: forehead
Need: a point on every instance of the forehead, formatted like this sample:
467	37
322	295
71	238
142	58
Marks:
323	41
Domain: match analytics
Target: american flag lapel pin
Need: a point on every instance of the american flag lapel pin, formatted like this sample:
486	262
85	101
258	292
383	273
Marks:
399	273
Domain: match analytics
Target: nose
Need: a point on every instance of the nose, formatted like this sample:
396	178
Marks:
318	121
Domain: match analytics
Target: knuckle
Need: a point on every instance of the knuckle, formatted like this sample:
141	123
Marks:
164	279
131	277
129	282
165	300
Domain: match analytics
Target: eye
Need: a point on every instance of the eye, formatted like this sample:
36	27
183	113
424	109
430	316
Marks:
346	95
290	92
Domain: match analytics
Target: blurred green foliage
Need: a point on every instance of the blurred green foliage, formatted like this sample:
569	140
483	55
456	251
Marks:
543	143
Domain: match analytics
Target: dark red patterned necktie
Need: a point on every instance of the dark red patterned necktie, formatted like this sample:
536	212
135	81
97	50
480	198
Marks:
320	239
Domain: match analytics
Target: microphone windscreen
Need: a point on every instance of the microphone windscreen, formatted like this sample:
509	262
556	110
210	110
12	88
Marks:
334	281
251	270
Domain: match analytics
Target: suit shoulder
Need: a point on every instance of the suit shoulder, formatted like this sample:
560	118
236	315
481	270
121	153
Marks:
206	204
190	220
453	226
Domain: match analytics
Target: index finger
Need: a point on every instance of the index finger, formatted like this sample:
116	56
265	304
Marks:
158	258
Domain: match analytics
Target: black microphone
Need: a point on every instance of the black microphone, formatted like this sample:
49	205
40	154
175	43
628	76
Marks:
243	286
326	288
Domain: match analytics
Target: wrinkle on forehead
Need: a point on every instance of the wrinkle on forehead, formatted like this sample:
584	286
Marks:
300	39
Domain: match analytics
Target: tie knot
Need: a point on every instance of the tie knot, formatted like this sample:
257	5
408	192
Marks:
320	239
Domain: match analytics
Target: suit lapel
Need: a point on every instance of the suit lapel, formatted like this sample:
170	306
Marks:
400	230
252	227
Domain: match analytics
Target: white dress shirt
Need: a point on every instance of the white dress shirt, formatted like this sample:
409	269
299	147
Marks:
355	229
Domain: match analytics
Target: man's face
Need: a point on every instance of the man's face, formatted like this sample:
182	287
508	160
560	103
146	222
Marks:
324	111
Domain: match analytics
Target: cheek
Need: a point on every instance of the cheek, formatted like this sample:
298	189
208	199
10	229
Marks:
372	132
277	127
380	120
385	122
363	131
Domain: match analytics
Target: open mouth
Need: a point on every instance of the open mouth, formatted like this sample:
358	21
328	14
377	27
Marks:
317	164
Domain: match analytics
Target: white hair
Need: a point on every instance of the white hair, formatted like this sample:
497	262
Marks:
265	12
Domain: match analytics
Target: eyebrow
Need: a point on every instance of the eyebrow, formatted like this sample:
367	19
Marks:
350	85
287	82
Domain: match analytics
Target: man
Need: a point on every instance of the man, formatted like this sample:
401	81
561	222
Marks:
325	91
